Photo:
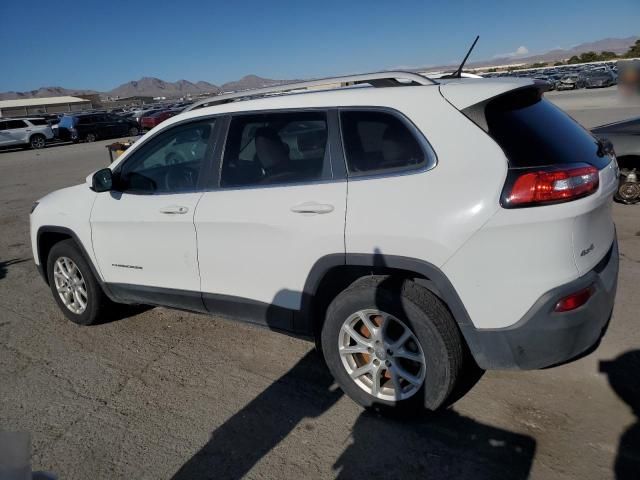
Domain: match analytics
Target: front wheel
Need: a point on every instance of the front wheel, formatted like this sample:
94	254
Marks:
133	131
73	284
90	137
391	343
37	141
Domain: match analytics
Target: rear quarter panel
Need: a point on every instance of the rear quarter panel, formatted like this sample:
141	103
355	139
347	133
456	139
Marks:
429	215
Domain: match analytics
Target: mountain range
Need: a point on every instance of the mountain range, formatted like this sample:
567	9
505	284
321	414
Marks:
155	87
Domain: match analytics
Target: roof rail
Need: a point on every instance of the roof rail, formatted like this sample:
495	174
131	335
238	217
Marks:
378	79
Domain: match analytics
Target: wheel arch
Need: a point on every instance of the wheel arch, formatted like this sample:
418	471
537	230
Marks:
36	134
333	273
48	236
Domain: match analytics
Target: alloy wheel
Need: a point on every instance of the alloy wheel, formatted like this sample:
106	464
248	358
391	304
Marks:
37	142
381	355
70	285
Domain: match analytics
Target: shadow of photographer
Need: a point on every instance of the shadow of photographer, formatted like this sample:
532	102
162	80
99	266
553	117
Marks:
623	375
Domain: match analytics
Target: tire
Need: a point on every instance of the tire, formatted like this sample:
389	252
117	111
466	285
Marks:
37	141
133	131
90	137
96	303
430	323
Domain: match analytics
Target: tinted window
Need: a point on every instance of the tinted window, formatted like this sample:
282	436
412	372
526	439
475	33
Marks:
38	121
85	120
533	132
379	142
15	124
3	125
170	162
276	148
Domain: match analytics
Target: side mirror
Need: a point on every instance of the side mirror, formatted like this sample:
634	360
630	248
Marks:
102	180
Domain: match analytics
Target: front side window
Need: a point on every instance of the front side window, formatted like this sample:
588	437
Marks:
276	148
379	142
38	121
170	162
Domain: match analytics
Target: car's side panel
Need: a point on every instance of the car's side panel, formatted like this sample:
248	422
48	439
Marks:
523	253
142	240
429	215
67	208
251	243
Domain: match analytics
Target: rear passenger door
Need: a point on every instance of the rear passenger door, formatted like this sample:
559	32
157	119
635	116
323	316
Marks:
278	206
18	132
385	156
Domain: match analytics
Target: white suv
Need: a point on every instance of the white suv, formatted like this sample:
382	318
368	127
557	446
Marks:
28	132
401	223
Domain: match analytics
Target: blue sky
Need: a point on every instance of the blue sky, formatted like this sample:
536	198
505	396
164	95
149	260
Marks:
101	44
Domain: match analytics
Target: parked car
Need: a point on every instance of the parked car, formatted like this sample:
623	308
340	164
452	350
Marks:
625	138
93	126
139	114
24	132
356	217
570	82
599	78
150	121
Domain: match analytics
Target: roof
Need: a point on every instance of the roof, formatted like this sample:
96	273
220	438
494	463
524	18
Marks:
34	102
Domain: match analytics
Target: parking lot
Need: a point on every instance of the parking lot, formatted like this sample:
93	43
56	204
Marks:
169	394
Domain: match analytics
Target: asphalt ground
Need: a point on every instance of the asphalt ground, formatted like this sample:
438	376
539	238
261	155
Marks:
168	394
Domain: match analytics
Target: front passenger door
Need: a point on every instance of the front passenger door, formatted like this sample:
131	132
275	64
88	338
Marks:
143	232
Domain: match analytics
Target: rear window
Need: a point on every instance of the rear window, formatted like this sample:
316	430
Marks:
67	122
535	133
11	124
38	121
379	143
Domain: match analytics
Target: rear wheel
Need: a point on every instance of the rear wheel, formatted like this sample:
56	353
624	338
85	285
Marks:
133	131
90	137
74	287
392	344
37	141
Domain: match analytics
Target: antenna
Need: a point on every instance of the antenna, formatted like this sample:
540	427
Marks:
458	72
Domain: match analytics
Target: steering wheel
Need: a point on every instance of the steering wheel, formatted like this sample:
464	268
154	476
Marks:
180	178
173	158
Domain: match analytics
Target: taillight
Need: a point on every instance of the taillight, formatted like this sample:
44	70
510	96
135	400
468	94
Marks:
528	188
575	300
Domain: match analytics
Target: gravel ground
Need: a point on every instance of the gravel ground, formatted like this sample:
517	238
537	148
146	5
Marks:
168	394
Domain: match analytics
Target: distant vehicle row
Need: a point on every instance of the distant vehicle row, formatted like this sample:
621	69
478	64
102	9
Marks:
568	77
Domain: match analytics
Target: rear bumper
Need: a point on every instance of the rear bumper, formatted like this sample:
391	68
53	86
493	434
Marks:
543	338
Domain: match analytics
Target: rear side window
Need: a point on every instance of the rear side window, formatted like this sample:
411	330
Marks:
11	124
38	121
86	120
276	148
535	133
379	142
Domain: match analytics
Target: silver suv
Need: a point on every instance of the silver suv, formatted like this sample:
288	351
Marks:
28	132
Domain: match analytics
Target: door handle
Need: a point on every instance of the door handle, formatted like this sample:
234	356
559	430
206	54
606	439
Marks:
312	207
174	210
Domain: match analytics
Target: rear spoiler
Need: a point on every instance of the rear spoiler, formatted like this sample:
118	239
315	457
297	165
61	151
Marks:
472	103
